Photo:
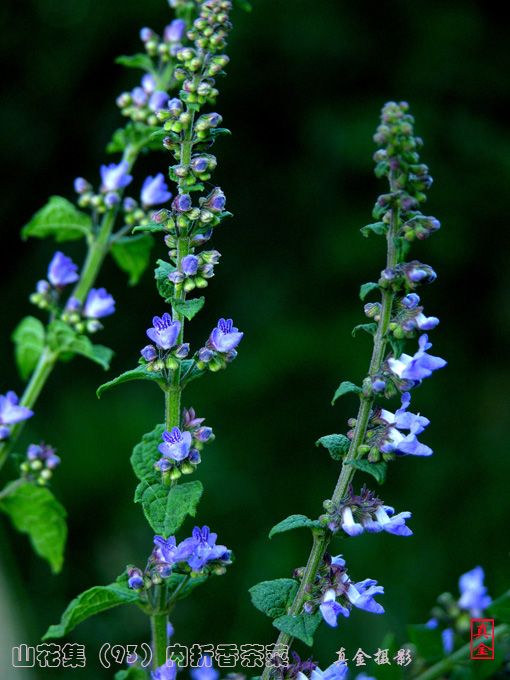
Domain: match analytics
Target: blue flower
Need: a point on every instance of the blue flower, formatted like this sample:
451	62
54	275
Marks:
158	100
202	548
225	337
189	265
165	331
154	191
62	270
114	176
167	671
419	366
176	444
330	609
361	596
205	670
175	31
98	304
473	594
385	519
11	413
395	441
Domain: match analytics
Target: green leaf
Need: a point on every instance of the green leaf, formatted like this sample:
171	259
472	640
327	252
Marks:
136	61
300	626
92	601
35	511
428	641
397	345
274	597
145	454
488	668
500	608
138	373
28	337
366	288
98	353
58	218
151	227
294	522
166	508
377	470
379	228
161	274
370	328
132	254
337	445
401	247
137	135
344	388
64	341
188	308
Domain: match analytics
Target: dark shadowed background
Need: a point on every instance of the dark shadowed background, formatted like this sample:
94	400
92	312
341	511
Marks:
305	86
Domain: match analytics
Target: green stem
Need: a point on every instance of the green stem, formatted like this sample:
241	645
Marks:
41	373
461	654
11	487
159	627
321	539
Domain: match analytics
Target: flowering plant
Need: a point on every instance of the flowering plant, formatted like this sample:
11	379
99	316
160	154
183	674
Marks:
188	58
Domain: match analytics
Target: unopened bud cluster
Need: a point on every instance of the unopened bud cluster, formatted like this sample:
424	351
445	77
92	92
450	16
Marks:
39	464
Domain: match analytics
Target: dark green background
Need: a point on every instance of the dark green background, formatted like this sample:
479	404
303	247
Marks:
304	89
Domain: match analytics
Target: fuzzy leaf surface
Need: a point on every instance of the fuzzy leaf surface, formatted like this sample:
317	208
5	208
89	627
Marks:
379	228
344	388
377	470
300	626
166	508
188	308
28	337
369	328
145	454
294	522
161	274
90	602
35	511
274	597
58	218
336	444
132	254
138	373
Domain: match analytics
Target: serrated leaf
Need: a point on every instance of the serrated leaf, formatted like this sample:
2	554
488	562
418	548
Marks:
300	626
274	597
138	373
29	337
336	444
369	328
366	288
90	602
139	60
294	522
58	218
500	608
377	470
145	454
151	227
166	508
132	254
428	641
344	388
379	228
188	308
161	274
98	353
35	511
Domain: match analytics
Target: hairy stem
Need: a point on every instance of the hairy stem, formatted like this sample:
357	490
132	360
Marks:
159	627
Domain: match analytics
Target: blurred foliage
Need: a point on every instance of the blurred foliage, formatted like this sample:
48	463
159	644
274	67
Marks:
302	97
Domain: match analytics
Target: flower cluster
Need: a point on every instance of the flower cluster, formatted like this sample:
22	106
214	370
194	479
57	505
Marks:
40	462
11	413
195	270
181	448
166	352
366	512
220	347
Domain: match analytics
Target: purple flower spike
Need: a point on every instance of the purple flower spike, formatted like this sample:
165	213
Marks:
225	336
154	191
165	331
419	366
189	265
62	270
115	176
176	444
473	594
98	304
11	413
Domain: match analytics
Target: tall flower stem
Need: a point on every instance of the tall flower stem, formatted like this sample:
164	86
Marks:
322	537
159	627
